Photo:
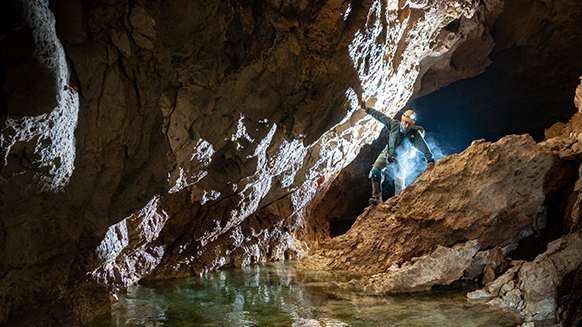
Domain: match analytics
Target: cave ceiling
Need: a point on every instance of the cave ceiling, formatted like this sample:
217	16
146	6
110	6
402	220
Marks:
528	86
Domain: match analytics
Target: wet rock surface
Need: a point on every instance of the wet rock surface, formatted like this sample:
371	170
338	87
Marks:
532	287
441	267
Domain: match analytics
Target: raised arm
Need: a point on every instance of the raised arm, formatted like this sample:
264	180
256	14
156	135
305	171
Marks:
387	121
421	145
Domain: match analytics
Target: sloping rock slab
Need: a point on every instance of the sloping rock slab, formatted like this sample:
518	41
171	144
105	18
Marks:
492	192
442	267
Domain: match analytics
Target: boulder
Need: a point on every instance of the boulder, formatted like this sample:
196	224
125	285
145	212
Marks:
442	267
570	299
492	259
534	287
539	280
492	192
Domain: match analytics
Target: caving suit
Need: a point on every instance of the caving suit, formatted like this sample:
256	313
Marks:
388	154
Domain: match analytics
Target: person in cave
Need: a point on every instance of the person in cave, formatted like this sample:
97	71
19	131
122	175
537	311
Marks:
403	130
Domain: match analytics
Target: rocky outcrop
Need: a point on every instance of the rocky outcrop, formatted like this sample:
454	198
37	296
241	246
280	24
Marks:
544	288
419	239
567	140
488	262
532	287
516	86
441	267
461	49
495	193
570	298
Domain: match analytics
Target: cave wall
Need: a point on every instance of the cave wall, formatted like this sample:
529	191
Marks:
72	166
177	137
167	138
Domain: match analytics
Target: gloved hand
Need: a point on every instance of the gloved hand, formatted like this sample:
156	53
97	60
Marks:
430	166
363	104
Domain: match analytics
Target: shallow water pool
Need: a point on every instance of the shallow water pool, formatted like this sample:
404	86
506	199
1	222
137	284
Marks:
276	295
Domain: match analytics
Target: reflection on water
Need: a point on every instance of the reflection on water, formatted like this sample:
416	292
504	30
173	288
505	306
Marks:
276	295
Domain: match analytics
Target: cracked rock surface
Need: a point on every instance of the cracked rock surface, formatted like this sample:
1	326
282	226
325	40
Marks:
492	192
544	289
167	138
162	139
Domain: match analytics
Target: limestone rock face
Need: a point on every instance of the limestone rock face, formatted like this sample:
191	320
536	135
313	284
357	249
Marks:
566	139
518	85
461	49
167	138
545	289
348	194
532	287
535	66
492	192
490	258
441	267
570	299
562	258
578	97
254	137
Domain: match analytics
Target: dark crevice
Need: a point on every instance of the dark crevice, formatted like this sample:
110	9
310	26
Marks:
272	201
340	227
8	22
454	26
537	243
570	299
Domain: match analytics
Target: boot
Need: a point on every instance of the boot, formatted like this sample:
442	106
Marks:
375	201
376	193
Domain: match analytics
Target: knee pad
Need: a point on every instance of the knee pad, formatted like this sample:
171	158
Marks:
375	172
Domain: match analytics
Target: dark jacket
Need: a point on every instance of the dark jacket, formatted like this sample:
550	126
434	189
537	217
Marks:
396	137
